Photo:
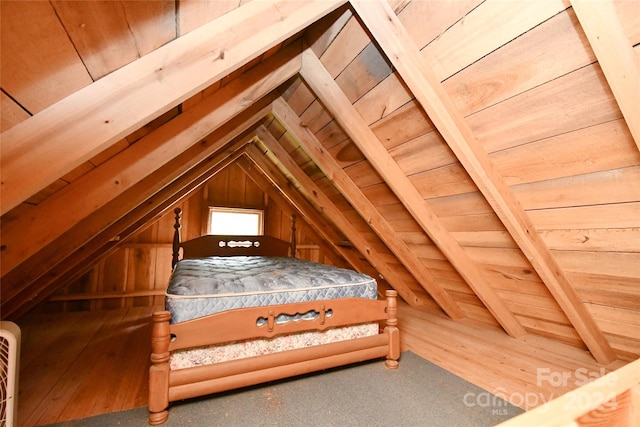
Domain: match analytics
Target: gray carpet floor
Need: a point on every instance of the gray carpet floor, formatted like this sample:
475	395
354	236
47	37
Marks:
418	393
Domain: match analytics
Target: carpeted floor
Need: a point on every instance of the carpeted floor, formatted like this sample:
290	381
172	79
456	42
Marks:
419	393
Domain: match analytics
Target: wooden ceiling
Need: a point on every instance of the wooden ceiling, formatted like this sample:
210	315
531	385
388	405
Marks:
468	150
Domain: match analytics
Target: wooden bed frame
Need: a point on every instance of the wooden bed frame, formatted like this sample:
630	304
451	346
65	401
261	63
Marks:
167	386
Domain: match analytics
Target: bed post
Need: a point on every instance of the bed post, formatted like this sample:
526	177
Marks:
176	238
392	330
293	236
159	370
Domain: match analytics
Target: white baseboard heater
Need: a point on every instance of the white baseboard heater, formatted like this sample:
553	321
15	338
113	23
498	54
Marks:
9	370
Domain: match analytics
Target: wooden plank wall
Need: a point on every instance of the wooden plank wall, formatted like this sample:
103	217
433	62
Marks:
136	274
565	151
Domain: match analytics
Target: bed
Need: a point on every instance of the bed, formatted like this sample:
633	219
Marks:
241	311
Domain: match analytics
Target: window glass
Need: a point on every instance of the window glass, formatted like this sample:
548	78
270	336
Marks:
230	221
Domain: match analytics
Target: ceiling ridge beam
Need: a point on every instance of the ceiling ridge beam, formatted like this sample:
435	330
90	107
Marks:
95	117
339	220
23	236
616	57
327	90
399	48
365	208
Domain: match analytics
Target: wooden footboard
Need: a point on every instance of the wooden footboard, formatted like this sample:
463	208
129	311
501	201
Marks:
260	322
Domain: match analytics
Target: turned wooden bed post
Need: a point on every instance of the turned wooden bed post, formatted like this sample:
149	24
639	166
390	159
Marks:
293	235
391	328
176	238
159	370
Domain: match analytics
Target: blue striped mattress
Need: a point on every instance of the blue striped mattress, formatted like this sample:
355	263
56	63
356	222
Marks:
203	286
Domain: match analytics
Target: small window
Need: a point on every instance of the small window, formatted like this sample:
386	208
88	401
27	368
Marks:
235	221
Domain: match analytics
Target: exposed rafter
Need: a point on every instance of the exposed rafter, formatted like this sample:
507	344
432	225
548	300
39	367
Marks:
346	115
616	57
359	201
342	223
97	116
404	55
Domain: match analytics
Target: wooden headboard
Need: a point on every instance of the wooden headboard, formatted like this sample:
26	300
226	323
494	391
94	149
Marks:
223	245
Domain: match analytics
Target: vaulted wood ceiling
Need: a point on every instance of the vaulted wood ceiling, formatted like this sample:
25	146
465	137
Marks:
412	143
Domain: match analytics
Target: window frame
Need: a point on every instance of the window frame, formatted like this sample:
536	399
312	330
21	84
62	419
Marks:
242	211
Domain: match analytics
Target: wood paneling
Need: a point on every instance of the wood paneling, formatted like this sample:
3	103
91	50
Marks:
524	78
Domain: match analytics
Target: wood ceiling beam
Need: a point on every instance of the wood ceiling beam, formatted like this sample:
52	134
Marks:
23	236
365	208
60	138
326	89
311	191
269	171
45	261
396	43
616	57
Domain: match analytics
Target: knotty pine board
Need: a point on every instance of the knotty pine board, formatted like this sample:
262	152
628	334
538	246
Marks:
621	264
344	48
550	329
594	240
131	30
444	181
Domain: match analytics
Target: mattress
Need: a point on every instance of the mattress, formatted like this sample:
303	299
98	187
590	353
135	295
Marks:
203	286
207	355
